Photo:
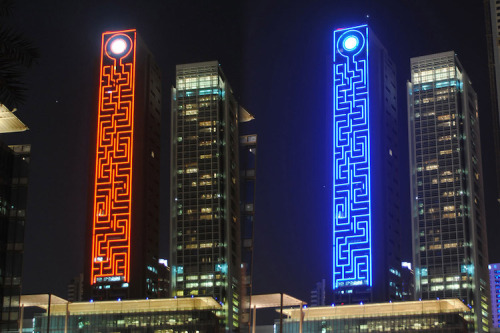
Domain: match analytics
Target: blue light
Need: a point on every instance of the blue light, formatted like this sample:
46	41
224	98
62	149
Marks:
352	255
350	43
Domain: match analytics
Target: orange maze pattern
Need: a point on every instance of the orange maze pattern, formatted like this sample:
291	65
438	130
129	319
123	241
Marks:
114	152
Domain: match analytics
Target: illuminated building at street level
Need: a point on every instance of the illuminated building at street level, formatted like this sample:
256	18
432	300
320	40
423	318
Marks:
495	295
366	265
421	316
205	204
448	218
125	194
153	315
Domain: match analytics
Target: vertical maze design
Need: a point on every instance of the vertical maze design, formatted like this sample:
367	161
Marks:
113	168
351	161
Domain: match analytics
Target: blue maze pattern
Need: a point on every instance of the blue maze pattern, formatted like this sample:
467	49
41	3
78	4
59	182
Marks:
352	264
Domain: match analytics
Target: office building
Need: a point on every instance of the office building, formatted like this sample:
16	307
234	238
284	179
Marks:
248	171
122	241
164	275
407	281
75	289
495	296
366	244
421	316
14	171
318	294
205	222
192	315
448	221
492	19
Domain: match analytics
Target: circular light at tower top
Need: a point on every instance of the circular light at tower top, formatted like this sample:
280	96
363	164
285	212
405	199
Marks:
350	43
118	46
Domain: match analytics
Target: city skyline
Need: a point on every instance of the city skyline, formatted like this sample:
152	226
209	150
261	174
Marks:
258	70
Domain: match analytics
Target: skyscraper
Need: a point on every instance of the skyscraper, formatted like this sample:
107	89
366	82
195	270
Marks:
492	19
122	250
366	236
14	169
448	220
205	225
248	172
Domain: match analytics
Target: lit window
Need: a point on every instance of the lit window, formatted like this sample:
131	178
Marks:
445	138
204	157
206	210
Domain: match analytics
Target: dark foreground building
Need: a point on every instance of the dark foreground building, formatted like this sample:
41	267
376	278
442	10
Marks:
122	243
14	168
366	230
424	316
192	315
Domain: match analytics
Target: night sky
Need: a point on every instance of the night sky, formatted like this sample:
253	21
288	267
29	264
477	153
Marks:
277	58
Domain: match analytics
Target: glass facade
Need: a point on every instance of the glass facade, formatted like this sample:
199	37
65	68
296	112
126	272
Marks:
159	316
449	236
426	316
446	322
14	168
205	224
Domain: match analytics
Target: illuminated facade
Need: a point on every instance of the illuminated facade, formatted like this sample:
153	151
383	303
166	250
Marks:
205	222
495	296
366	265
435	316
125	196
448	219
189	315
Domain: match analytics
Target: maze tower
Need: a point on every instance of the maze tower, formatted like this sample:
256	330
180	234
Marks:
365	183
125	194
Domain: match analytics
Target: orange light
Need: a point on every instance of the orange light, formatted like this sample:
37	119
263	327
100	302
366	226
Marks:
112	208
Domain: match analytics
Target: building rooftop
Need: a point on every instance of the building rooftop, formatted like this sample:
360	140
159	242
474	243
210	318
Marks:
59	306
273	301
9	122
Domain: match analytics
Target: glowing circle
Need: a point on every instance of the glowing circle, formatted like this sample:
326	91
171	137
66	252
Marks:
350	43
118	46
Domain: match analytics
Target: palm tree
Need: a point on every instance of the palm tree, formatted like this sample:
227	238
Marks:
16	55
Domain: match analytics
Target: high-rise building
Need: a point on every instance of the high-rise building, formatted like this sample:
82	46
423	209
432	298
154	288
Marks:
366	234
75	289
164	276
318	294
14	169
248	171
495	296
407	281
205	223
122	250
448	220
492	19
